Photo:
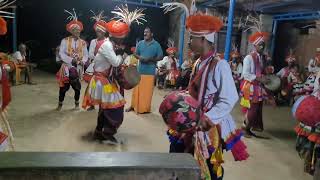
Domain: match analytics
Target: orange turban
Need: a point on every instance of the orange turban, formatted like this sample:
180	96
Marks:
74	24
200	25
258	37
171	50
100	25
117	29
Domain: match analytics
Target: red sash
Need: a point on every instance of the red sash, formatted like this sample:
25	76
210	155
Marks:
6	93
98	45
199	81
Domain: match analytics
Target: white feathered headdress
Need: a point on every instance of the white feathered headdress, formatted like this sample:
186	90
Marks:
74	22
123	14
98	17
100	21
5	4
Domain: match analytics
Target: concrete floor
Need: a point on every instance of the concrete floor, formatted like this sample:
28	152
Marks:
37	127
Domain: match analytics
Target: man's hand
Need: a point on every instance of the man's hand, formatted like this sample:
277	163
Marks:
144	60
119	51
205	123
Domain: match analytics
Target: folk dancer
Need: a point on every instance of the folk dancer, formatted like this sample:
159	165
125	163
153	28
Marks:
100	29
148	52
171	66
313	69
295	82
73	52
236	67
307	111
103	89
251	90
6	137
286	89
213	89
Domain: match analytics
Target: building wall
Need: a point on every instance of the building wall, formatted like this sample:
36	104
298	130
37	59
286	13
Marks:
304	45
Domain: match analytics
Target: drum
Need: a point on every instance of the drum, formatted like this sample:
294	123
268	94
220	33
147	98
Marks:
127	77
274	82
180	111
307	110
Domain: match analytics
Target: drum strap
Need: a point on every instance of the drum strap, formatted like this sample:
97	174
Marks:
199	83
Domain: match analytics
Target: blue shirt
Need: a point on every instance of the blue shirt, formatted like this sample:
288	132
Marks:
148	50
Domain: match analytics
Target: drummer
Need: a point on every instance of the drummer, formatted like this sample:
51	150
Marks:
171	66
213	87
283	74
251	89
103	90
100	29
313	68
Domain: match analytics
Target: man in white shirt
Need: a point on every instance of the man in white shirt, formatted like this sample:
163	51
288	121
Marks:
21	60
73	52
100	29
252	90
104	91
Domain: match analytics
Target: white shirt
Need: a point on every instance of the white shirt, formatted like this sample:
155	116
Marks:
248	72
313	69
167	63
18	57
92	48
75	43
221	84
106	57
239	69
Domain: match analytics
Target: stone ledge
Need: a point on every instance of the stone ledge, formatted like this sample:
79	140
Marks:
96	166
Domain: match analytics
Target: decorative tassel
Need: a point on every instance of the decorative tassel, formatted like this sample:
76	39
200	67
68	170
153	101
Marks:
239	151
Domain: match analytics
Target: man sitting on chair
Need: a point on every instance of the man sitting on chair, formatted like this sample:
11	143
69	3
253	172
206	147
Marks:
20	59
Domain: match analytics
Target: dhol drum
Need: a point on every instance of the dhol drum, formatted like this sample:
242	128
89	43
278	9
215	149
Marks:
127	76
274	82
307	110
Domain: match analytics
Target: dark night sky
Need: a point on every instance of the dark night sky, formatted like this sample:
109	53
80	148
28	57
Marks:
43	23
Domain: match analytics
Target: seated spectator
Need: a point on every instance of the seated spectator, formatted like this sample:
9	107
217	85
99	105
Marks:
20	58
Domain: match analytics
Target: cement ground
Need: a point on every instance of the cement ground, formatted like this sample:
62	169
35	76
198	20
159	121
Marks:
38	127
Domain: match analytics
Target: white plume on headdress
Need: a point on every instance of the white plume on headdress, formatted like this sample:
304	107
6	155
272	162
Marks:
5	4
255	23
123	14
170	43
168	7
98	17
73	15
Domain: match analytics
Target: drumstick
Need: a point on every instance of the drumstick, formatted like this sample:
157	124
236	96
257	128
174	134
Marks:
7	126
